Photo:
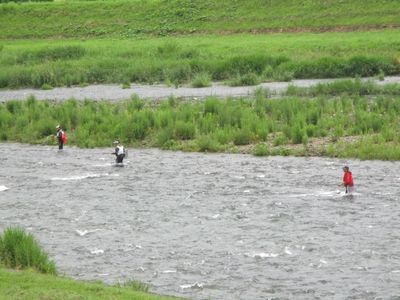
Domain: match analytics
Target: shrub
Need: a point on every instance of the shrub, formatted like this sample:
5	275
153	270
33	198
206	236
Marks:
201	80
136	286
135	103
184	130
126	85
283	75
212	106
246	79
242	137
261	150
164	135
20	250
280	139
207	144
46	86
381	75
297	134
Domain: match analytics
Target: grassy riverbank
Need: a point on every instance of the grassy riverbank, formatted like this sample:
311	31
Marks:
30	285
195	42
33	275
354	124
234	59
127	19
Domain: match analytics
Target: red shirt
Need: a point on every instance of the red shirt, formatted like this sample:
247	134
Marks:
348	179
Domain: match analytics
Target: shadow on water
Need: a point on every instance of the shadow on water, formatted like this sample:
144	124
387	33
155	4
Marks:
213	226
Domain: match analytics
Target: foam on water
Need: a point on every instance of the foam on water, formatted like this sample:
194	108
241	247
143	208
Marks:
261	255
196	285
3	188
81	177
96	251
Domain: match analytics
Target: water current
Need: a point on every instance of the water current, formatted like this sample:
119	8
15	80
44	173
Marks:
210	226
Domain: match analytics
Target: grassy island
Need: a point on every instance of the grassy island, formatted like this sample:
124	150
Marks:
341	119
27	273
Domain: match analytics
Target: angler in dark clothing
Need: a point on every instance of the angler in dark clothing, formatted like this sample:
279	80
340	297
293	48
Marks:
119	152
60	137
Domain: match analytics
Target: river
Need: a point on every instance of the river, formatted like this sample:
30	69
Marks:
209	226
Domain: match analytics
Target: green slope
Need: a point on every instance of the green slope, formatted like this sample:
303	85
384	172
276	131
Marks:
30	285
124	19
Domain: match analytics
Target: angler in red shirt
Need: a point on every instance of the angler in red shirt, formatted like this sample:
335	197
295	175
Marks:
348	180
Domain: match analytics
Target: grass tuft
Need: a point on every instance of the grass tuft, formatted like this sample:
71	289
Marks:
19	250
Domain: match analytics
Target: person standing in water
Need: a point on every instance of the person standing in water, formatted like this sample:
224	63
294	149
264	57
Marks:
119	152
60	137
348	180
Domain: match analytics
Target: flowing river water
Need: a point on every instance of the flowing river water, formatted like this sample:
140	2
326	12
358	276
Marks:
210	226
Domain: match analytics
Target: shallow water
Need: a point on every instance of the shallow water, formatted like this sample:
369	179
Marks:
216	226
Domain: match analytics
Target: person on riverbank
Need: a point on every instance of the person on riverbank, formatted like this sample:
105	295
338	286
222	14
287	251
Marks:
119	152
348	180
61	137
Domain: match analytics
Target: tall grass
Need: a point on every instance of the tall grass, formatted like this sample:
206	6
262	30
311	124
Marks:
198	60
210	125
355	87
20	250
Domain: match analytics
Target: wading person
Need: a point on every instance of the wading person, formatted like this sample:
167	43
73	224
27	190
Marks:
348	180
61	137
119	152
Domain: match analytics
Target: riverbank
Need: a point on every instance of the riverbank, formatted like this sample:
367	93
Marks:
28	284
341	119
236	60
162	18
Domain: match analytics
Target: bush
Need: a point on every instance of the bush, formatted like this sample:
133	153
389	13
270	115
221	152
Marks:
201	80
184	130
46	87
281	139
261	150
165	135
136	286
242	137
297	134
207	144
20	250
135	103
246	79
126	85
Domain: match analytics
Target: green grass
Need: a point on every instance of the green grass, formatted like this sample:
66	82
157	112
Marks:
29	285
127	19
68	43
216	125
349	87
19	250
240	59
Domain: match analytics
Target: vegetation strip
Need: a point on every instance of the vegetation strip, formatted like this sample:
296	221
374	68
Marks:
20	250
129	19
350	125
198	60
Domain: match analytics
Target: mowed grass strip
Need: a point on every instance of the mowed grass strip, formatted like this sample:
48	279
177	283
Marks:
126	19
197	60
